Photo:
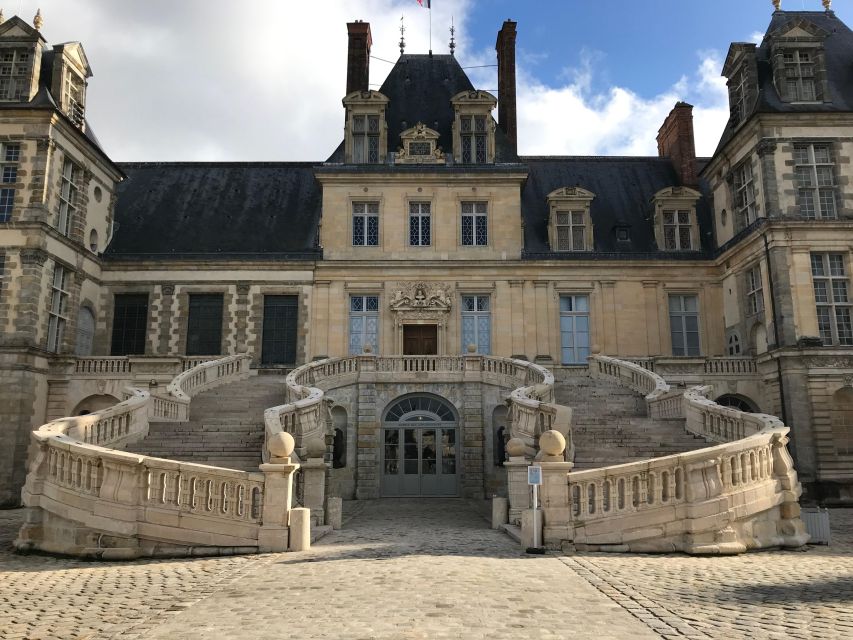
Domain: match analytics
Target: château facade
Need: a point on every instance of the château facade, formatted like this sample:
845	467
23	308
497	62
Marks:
426	233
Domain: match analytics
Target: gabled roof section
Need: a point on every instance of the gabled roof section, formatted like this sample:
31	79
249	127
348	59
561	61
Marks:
74	52
186	211
15	27
797	27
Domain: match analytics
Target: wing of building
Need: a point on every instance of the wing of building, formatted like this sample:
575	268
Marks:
426	233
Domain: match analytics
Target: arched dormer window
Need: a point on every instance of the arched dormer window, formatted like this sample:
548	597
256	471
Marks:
474	127
366	139
569	219
419	146
676	225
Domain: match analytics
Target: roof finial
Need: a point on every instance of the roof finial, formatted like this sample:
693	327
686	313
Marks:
777	4
827	4
38	21
452	36
402	36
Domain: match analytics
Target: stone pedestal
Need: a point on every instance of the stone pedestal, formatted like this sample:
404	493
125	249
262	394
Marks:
278	497
517	488
300	529
314	496
500	512
334	512
528	526
554	499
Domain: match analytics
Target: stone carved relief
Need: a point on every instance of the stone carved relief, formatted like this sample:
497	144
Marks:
421	296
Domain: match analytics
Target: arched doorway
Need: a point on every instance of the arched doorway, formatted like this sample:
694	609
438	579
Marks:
420	448
737	401
93	404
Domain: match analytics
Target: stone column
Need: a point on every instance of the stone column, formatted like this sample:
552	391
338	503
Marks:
278	494
554	492
242	318
368	431
473	435
29	294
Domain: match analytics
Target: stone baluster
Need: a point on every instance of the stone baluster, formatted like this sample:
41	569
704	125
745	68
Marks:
274	534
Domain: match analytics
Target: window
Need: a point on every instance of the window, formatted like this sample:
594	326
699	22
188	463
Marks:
574	329
476	323
684	324
75	93
281	317
15	74
738	93
475	224
419	224
85	332
799	76
68	197
10	153
130	319
365	139
57	315
833	303
744	195
754	291
363	323
734	345
365	224
677	231
571	231
474	137
204	324
814	176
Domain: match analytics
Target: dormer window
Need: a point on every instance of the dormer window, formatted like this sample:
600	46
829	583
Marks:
70	71
676	225
419	146
74	97
741	70
366	140
15	74
474	128
739	95
570	227
799	61
799	76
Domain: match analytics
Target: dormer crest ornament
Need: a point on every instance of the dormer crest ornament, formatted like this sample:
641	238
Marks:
420	146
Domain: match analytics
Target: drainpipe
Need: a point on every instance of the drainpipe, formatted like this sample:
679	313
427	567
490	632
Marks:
784	415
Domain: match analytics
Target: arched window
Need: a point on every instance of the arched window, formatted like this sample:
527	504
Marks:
741	403
85	332
420	408
842	421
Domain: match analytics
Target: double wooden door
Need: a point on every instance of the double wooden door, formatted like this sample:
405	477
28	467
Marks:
420	340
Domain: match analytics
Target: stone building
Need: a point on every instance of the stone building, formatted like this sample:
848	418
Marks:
426	233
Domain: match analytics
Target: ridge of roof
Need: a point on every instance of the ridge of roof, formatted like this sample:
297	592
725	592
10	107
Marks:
229	164
524	158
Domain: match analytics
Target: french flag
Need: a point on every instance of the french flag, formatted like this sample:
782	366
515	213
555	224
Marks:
425	4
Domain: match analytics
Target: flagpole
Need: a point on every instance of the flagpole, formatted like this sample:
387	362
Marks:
430	28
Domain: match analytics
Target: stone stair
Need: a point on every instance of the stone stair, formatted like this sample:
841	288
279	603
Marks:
610	425
226	427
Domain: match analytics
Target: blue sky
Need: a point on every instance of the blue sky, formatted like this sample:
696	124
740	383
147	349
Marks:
263	79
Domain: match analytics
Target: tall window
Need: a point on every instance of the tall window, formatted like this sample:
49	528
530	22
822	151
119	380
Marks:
365	139
75	96
815	180
754	291
15	74
474	137
419	224
57	315
365	224
677	231
684	325
799	76
130	320
574	329
363	323
85	332
475	224
11	155
833	303
476	323
204	324
738	95
734	344
571	231
744	195
68	197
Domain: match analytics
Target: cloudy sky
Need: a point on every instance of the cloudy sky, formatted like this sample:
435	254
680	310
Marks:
263	79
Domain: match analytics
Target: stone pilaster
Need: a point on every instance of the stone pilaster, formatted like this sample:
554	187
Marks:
368	430
164	331
242	321
29	294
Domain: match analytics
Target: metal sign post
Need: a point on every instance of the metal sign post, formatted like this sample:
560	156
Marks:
534	478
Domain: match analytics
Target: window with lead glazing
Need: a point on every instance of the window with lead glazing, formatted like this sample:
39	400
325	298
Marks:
130	321
365	139
814	174
74	89
365	224
754	291
829	277
420	224
474	139
571	231
363	323
739	95
15	74
476	323
58	312
10	153
743	187
677	231
475	224
684	324
68	197
799	68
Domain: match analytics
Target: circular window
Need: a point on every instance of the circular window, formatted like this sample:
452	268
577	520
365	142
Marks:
93	241
98	194
723	217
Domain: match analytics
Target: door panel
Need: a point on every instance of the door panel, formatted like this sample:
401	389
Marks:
420	340
425	465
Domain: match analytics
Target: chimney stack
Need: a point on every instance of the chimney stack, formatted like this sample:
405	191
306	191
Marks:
507	117
675	141
358	56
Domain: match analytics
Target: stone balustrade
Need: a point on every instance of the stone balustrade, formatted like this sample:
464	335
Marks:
117	365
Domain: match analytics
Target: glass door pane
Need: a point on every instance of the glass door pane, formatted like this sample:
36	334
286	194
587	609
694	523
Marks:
411	485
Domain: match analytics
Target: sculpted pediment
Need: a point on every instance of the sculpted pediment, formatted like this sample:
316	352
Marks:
421	296
571	193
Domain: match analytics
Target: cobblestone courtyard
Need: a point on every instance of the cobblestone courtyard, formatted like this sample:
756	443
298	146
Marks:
431	569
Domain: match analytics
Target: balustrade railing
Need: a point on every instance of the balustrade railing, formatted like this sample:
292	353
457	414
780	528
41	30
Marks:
117	365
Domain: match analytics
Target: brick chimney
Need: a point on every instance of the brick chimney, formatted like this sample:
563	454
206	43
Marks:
675	141
358	56
507	116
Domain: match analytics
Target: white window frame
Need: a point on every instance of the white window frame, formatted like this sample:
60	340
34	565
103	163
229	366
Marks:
420	223
476	308
364	307
475	213
366	211
743	194
796	72
474	140
739	94
579	354
58	311
680	225
573	223
15	74
362	135
10	156
754	291
815	179
678	325
832	298
68	193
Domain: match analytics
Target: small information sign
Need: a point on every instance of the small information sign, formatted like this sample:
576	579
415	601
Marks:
534	475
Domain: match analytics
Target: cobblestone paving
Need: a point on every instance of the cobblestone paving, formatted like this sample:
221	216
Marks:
776	595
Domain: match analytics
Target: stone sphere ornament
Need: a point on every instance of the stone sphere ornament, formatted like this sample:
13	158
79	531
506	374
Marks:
281	445
515	447
316	448
552	443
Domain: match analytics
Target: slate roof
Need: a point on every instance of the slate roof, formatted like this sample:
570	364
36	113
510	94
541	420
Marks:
623	188
839	66
183	210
